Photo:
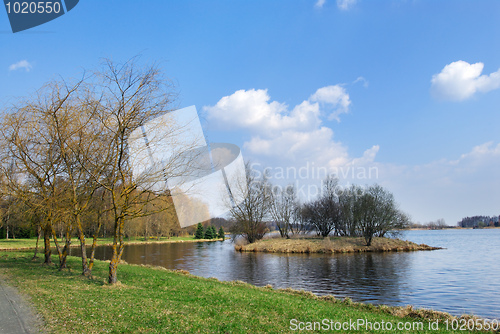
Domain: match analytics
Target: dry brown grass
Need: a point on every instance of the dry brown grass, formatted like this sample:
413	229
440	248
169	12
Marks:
331	245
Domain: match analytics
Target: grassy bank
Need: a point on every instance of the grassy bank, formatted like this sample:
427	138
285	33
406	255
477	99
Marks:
331	245
16	244
153	300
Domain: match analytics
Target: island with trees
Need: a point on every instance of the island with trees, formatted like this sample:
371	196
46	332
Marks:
339	220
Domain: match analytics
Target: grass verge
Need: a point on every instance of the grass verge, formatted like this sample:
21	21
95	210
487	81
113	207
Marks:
331	245
155	300
17	244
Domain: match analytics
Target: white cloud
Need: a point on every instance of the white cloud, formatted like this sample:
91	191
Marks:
280	135
460	80
363	80
346	4
334	96
301	146
253	110
319	3
20	65
368	157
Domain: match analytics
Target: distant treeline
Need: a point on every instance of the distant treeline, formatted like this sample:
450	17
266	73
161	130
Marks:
479	221
433	225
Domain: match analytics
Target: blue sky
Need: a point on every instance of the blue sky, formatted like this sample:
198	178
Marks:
411	88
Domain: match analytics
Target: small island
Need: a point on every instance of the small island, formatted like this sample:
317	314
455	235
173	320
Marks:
331	245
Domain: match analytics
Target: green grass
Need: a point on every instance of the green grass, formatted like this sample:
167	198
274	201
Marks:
19	243
153	300
13	244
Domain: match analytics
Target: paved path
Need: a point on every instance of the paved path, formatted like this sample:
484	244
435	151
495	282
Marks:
16	316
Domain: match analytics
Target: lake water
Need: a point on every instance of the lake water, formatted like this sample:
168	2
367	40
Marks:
463	278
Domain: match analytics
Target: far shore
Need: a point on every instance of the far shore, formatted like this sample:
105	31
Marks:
26	244
453	228
332	245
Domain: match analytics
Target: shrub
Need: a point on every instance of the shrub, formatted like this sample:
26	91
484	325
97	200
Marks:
221	233
209	234
199	232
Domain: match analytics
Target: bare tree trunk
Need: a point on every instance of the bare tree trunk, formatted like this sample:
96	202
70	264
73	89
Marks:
85	267
64	254
7	224
67	245
38	233
81	236
118	246
94	244
56	242
46	238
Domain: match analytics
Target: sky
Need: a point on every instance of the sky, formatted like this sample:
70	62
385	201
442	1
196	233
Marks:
405	94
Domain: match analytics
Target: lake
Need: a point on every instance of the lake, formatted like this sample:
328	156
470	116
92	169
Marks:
463	278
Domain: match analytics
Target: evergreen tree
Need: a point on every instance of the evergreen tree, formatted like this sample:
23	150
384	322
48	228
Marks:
209	233
221	233
199	232
214	232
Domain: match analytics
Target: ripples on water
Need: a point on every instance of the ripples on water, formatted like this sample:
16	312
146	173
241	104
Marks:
463	278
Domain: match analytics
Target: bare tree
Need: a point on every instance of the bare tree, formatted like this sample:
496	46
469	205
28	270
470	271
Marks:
67	154
376	213
77	134
321	214
348	225
283	209
32	160
129	97
324	213
249	216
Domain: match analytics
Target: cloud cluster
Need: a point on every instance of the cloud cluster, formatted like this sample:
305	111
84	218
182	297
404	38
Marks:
253	110
288	136
23	64
460	80
335	97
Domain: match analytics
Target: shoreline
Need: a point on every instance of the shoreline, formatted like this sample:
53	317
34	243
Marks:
452	228
332	245
184	302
